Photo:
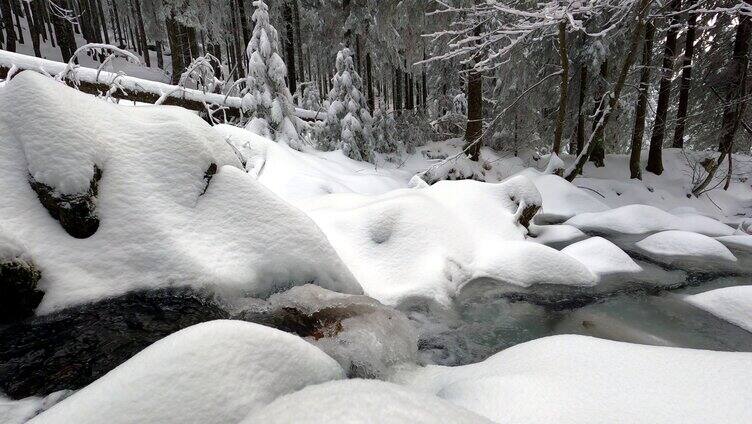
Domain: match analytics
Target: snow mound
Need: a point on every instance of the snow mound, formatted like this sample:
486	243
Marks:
732	304
364	336
556	234
642	219
561	199
575	379
173	205
212	372
10	248
429	242
670	247
602	257
737	241
362	401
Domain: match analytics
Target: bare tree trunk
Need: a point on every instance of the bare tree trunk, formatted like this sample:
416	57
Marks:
10	33
103	22
398	90
686	81
19	14
160	57
563	87
642	103
142	32
33	23
299	43
176	50
244	22
580	114
598	153
735	98
64	33
116	18
603	115
290	48
474	128
655	155
369	82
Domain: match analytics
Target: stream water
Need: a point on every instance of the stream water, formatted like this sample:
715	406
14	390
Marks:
487	318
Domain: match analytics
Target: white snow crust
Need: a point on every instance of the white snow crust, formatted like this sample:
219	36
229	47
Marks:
215	372
575	379
676	246
733	304
156	228
602	257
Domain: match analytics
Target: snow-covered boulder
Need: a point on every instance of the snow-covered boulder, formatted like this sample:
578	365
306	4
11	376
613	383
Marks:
602	257
741	242
218	371
429	242
561	199
556	234
642	219
361	402
733	304
173	205
576	379
683	248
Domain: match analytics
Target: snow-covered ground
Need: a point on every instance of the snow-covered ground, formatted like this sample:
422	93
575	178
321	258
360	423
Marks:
180	203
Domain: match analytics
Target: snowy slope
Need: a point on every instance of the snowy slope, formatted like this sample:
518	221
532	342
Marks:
575	379
156	227
212	372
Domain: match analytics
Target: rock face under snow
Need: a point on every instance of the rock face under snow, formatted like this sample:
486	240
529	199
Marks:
163	219
213	372
361	402
575	379
602	257
733	304
19	295
642	219
428	242
562	199
681	247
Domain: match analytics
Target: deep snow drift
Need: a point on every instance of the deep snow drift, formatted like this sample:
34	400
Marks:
163	219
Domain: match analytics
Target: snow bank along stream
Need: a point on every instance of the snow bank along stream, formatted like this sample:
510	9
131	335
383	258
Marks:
124	230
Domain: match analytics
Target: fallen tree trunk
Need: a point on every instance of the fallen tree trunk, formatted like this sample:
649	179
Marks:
92	81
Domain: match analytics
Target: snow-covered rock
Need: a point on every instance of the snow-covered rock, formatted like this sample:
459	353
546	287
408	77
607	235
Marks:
733	304
217	371
641	219
737	242
556	234
602	257
678	247
562	199
362	401
575	379
430	242
173	205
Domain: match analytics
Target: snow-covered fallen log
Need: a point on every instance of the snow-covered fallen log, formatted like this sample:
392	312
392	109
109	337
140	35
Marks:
93	81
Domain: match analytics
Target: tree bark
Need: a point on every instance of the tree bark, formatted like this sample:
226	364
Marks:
686	81
290	48
116	18
10	33
176	50
642	103
244	22
603	115
103	21
369	82
64	33
34	31
474	128
142	32
398	90
598	153
735	98
563	87
655	155
580	103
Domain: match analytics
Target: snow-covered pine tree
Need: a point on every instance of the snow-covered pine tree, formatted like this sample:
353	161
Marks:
349	125
384	129
266	100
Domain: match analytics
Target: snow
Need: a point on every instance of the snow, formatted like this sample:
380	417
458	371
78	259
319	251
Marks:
602	257
555	234
21	411
574	379
733	304
429	242
212	372
362	401
737	241
156	228
677	246
562	199
10	248
642	219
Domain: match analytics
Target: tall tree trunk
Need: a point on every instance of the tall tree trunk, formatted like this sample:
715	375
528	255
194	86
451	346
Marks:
245	28
33	29
160	57
19	14
474	128
686	81
563	87
116	18
176	49
64	33
103	22
598	154
603	115
299	43
398	90
239	46
10	33
735	98
642	103
290	48
142	32
655	155
369	82
580	136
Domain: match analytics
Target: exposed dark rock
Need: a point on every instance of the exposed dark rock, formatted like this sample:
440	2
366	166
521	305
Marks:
19	295
76	212
208	175
71	348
